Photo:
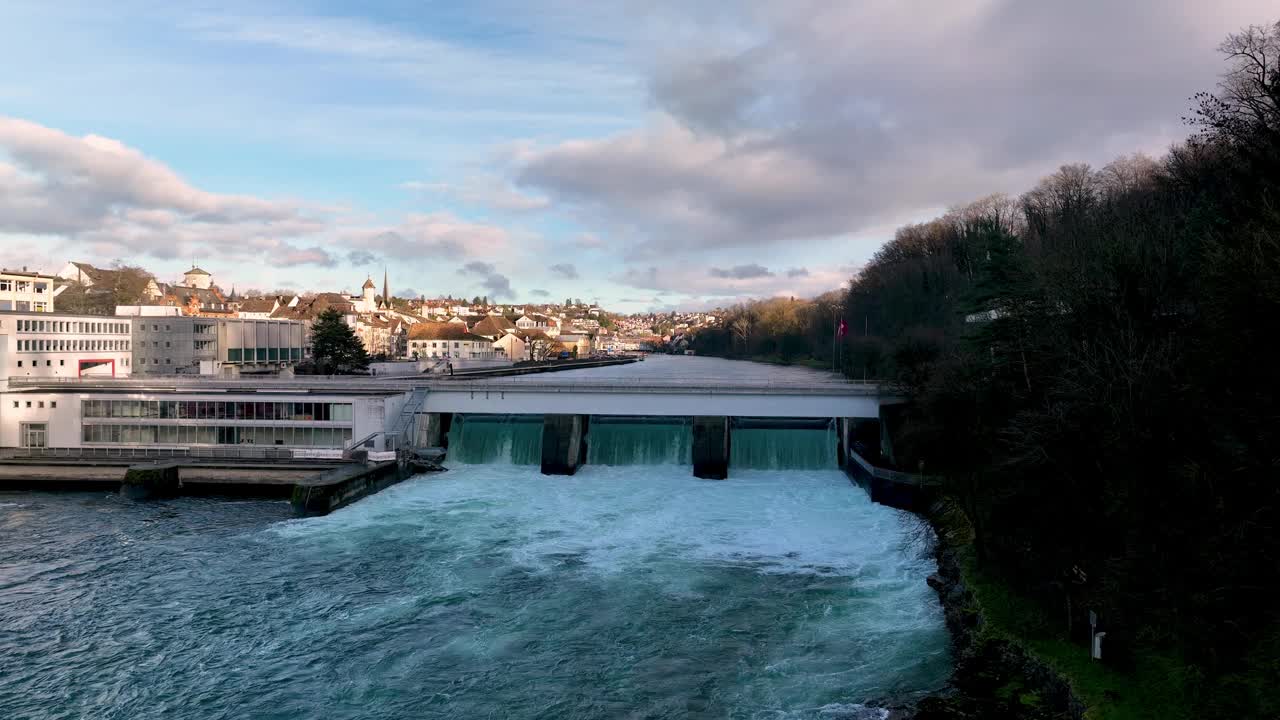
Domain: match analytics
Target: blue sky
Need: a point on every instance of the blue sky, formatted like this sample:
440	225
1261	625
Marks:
656	154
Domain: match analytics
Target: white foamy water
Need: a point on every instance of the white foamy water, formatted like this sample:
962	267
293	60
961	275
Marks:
814	596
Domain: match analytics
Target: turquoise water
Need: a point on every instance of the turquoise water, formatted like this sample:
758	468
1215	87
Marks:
639	441
489	591
781	449
481	439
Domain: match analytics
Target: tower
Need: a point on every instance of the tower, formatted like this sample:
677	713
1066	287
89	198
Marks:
386	294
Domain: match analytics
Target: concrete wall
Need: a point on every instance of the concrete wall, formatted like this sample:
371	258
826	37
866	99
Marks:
650	401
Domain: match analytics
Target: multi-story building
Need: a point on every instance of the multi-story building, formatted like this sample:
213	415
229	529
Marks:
208	346
87	414
448	340
26	292
40	344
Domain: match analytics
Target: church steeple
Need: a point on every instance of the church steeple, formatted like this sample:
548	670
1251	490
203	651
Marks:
386	294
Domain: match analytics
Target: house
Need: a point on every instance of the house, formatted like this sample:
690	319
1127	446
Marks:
447	340
382	336
27	292
526	345
259	308
99	279
581	344
535	321
493	327
512	346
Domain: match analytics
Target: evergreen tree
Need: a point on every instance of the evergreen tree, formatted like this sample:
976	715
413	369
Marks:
335	347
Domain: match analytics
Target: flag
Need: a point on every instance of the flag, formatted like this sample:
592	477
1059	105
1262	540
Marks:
844	328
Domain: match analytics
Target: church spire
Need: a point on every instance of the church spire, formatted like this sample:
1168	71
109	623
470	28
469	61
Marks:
386	295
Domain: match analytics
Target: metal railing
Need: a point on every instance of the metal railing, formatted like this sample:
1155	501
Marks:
640	385
129	453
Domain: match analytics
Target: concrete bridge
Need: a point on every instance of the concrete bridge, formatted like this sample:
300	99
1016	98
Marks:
567	409
829	400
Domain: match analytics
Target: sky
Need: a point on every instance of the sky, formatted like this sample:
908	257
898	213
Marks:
647	155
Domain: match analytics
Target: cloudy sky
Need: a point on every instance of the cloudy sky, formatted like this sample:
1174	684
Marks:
655	153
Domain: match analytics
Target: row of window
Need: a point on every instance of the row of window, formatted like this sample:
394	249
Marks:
124	362
215	435
23	286
263	354
25	306
217	410
73	326
73	346
52	403
443	343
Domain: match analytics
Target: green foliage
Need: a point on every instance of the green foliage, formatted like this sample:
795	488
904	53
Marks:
784	330
335	347
1093	367
1109	424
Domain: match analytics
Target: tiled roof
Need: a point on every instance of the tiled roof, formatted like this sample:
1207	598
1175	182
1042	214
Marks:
258	305
443	331
493	325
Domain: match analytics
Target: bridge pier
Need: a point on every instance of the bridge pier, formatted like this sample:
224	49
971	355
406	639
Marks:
711	447
564	443
844	427
433	429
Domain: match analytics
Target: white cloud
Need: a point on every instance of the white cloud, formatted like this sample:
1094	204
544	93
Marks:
813	119
111	199
698	285
489	192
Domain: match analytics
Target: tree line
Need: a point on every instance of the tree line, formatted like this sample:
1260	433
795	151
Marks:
1092	367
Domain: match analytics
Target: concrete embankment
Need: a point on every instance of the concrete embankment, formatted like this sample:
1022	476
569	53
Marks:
274	480
337	488
550	366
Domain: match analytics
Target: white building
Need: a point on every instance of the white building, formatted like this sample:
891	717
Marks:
47	345
26	292
448	340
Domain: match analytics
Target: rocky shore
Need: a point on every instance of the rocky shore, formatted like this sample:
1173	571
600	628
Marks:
993	677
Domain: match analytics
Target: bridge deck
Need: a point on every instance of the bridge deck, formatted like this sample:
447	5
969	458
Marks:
624	397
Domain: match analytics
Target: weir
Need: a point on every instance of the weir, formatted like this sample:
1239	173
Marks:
713	446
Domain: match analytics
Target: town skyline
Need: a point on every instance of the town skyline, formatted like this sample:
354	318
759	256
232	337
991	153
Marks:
656	158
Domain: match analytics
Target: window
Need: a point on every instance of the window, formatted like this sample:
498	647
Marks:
53	404
40	404
28	403
19	363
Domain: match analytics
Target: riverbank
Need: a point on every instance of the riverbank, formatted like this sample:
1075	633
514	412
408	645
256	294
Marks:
995	675
1010	663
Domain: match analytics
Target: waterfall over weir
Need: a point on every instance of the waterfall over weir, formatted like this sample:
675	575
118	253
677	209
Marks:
782	445
496	439
756	443
639	441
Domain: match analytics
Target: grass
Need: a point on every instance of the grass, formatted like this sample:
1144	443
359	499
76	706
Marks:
1156	690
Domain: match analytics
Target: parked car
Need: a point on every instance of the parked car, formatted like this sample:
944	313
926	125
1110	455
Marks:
564	355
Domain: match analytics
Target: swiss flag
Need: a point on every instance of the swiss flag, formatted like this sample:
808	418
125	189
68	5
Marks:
844	328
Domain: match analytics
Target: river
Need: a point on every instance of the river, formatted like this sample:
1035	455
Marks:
489	591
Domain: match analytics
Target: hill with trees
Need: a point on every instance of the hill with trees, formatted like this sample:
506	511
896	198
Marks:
1092	367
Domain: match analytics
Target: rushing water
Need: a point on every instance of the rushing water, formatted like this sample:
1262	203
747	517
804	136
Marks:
489	591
